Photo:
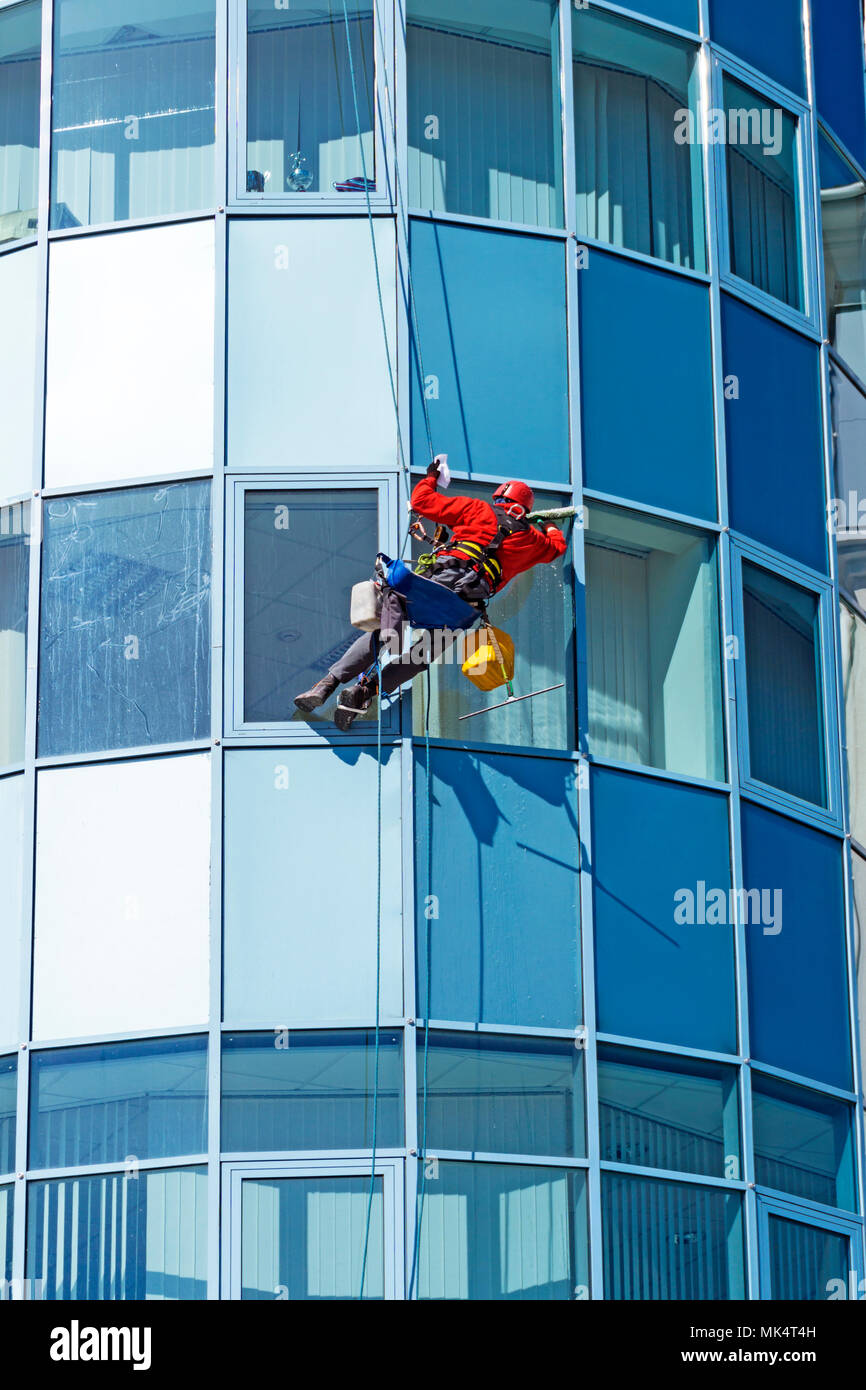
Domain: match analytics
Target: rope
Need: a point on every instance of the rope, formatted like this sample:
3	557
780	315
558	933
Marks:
422	1150
372	1190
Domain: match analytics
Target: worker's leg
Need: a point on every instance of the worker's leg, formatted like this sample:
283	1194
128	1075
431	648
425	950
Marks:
362	655
422	652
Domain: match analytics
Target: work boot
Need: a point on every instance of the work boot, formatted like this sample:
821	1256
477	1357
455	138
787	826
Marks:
354	701
320	692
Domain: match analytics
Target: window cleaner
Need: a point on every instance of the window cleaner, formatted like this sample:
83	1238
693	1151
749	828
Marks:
489	545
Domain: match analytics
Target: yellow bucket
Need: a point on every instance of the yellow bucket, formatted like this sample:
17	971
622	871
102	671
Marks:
489	658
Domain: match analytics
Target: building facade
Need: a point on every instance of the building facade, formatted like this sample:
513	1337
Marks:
556	1002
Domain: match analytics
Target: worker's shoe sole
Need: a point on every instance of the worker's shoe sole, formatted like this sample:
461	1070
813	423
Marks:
315	697
353	702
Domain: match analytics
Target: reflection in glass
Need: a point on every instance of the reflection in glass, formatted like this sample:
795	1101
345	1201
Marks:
653	644
763	194
485	127
843	219
7	1211
666	1240
8	1106
670	1113
20	44
303	552
803	1142
848	514
804	1260
639	185
853	635
502	1095
310	1091
125	640
302	129
785	708
303	1238
133	114
113	1237
497	1231
14	567
858	866
100	1104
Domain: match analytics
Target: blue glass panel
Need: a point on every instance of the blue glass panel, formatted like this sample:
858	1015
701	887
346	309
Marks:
502	1095
774	435
291	1090
497	1231
803	1142
8	1105
683	13
119	1101
133	110
663	939
804	1260
796	948
837	45
660	449
491	311
14	575
20	43
502	919
112	1237
771	40
668	1112
665	1240
125	640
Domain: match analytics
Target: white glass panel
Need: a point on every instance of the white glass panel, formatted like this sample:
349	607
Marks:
12	879
19	314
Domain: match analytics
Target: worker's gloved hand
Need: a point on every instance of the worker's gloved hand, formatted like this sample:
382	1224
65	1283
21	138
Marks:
433	470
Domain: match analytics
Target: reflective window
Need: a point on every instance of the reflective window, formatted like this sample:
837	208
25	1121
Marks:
126	610
665	1240
117	1102
665	1112
8	1105
302	125
492	1231
853	634
763	195
639	167
803	1142
843	220
303	552
485	128
291	1090
785	708
14	574
771	42
20	44
805	1260
653	644
683	13
133	112
7	1212
847	515
502	1095
536	610
837	46
112	1238
858	866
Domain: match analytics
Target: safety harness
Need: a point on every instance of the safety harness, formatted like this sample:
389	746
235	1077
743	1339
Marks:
480	558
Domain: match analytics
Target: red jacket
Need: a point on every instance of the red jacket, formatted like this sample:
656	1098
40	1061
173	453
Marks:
471	519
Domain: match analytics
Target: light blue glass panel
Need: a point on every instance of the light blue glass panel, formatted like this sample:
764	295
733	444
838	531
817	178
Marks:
20	44
837	46
848	509
665	1240
7	1213
783	673
302	127
292	1090
654	665
492	329
133	110
502	915
647	434
769	37
843	224
125	640
502	1095
668	1112
774	435
14	576
796	947
639	176
803	1142
485	123
664	946
501	1231
113	1237
763	194
8	1104
118	1101
805	1260
304	1239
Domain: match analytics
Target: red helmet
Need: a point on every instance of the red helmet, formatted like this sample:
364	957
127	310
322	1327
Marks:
515	492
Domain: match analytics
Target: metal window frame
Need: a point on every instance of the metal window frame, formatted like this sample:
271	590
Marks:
806	1214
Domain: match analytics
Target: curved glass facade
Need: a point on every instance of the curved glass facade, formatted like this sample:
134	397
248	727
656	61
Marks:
557	1003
